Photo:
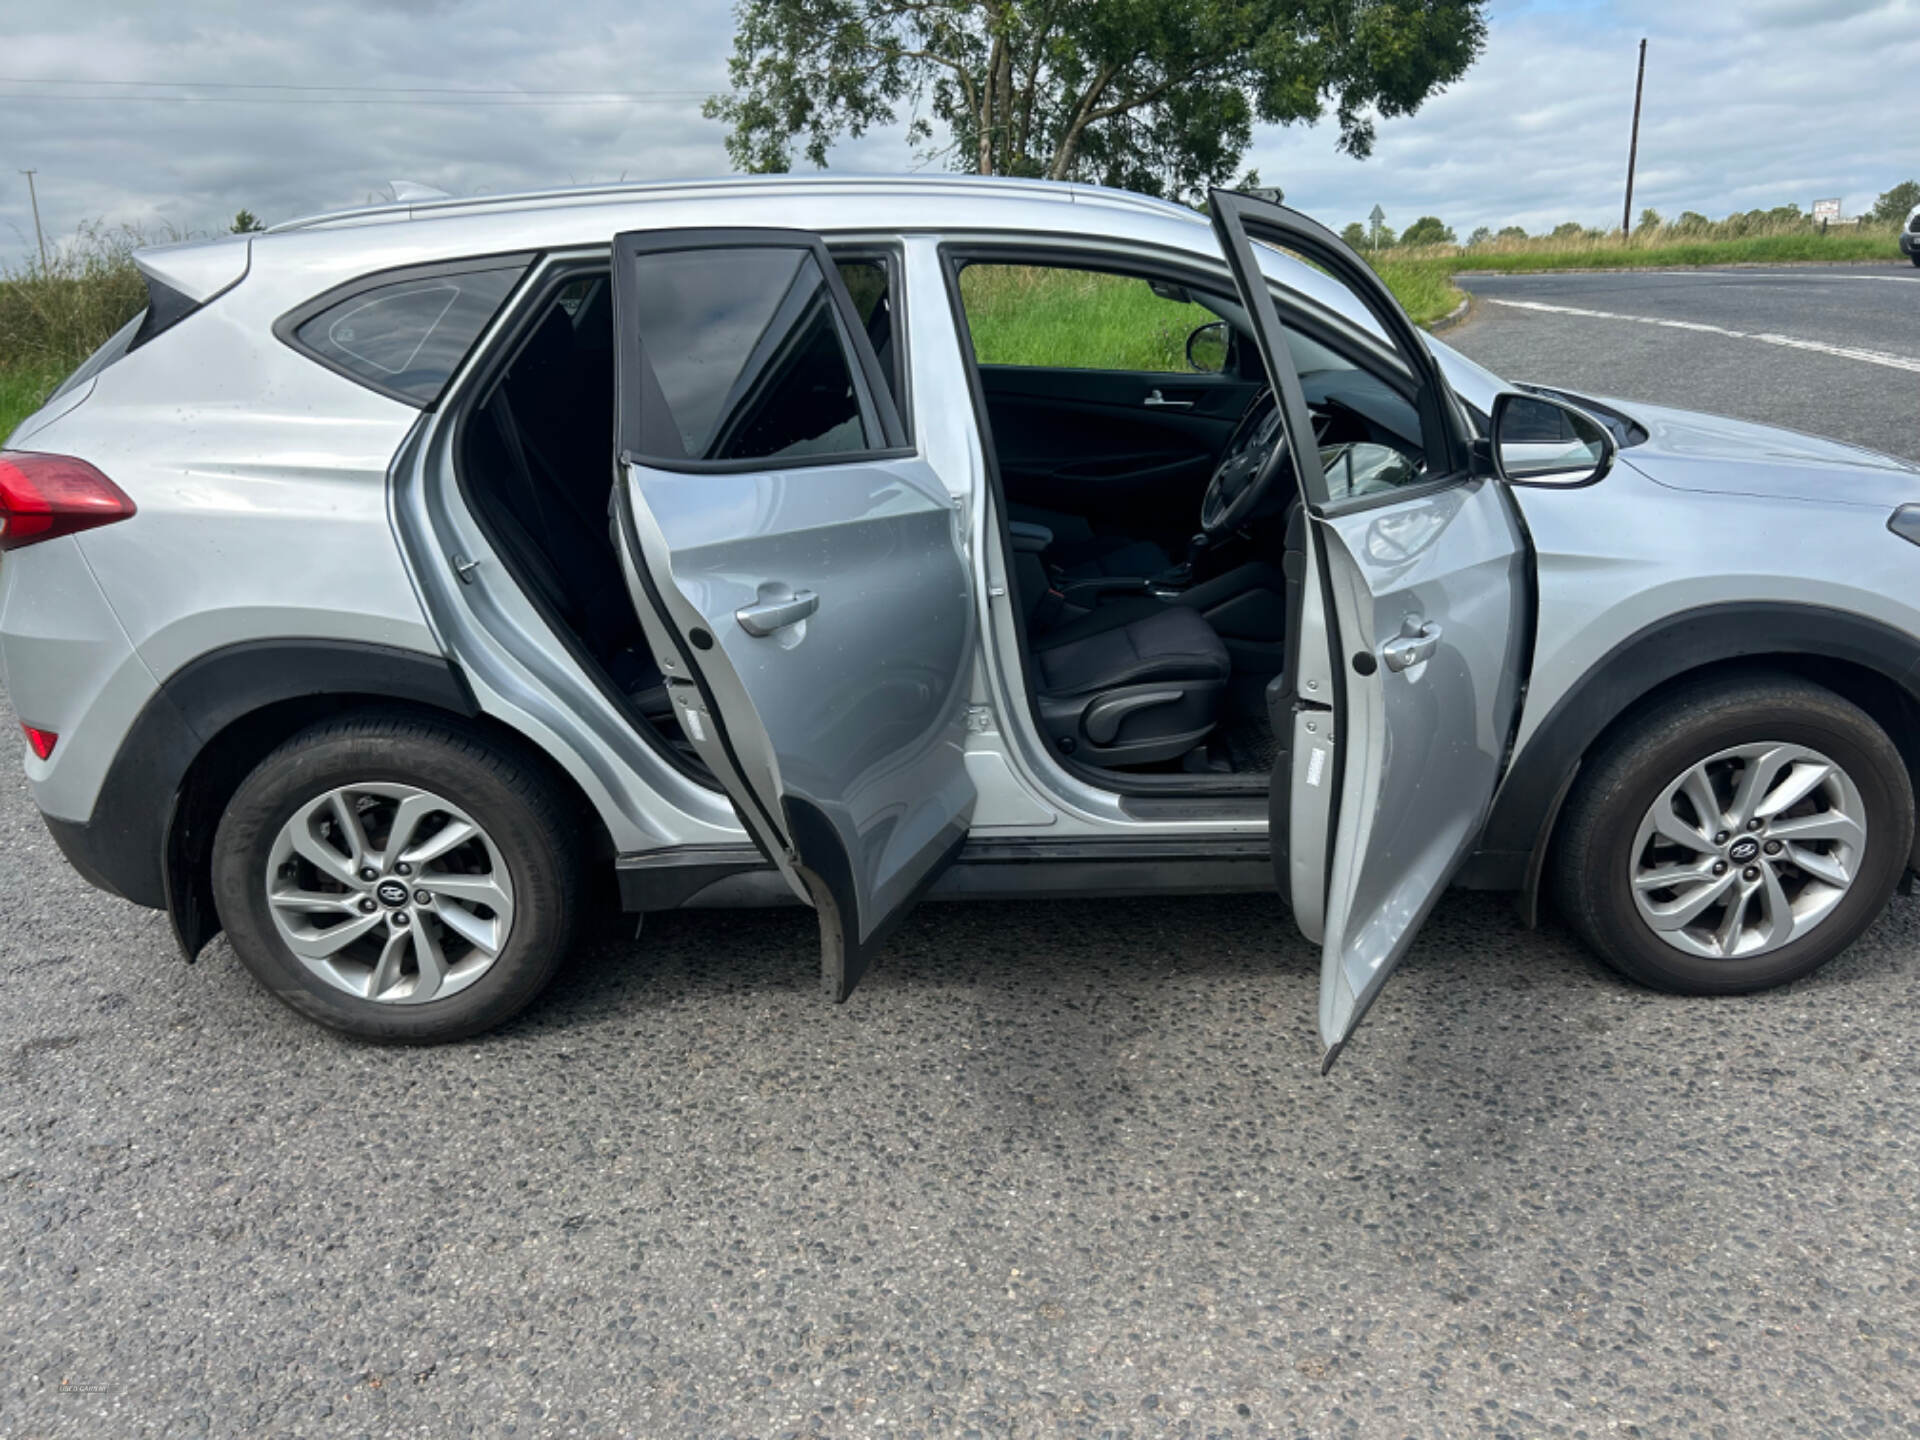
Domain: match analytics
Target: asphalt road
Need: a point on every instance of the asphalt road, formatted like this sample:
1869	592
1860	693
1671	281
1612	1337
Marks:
1833	350
1056	1169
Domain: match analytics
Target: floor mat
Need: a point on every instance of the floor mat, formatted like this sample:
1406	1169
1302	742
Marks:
1250	744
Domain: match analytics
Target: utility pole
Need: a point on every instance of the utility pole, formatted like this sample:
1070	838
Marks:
33	195
1633	150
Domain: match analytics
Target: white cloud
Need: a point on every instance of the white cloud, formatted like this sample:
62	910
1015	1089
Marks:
1754	103
1749	103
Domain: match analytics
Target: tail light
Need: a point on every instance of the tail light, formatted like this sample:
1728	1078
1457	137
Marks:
42	741
42	496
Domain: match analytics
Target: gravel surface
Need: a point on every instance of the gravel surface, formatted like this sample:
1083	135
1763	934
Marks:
1056	1169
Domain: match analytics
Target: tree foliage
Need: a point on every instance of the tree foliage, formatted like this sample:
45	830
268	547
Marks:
1154	95
1355	236
1892	207
1481	235
245	222
1427	230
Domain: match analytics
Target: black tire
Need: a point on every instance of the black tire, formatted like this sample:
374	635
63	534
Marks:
1594	840
534	832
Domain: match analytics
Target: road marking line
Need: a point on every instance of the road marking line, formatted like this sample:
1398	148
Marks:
1777	275
1843	352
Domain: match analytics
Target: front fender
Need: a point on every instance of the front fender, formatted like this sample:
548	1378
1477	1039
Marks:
1513	846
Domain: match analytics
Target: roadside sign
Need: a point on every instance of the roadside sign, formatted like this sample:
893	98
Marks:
1826	210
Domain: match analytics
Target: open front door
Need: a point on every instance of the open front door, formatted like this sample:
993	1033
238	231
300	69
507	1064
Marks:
797	568
1416	627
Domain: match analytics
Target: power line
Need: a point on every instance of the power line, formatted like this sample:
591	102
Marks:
339	100
606	95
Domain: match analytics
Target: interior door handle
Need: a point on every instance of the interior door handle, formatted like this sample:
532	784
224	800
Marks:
1415	643
766	616
1156	401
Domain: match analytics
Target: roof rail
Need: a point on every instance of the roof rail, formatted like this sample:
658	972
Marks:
640	190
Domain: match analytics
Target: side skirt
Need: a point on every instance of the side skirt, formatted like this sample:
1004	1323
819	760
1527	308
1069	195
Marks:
724	876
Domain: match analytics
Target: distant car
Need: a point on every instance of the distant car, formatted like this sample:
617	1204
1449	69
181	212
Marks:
405	578
1910	236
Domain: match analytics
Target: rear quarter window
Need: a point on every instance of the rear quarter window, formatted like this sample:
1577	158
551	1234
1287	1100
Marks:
404	332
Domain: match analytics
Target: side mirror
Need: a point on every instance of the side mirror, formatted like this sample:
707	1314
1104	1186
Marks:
1209	347
1540	441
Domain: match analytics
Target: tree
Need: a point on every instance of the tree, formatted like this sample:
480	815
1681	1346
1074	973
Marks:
1427	230
1155	95
1692	222
1512	232
1355	236
245	222
1649	222
1892	207
1480	236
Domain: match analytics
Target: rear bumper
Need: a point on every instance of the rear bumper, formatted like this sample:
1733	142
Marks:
107	862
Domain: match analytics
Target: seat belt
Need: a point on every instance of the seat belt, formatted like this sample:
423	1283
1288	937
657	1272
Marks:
510	432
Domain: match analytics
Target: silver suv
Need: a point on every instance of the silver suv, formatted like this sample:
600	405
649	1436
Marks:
403	579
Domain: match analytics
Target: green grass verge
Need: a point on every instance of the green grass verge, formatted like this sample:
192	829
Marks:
1029	315
22	388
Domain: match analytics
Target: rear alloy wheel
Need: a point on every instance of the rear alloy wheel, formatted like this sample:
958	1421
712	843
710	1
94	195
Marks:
1736	837
389	893
397	879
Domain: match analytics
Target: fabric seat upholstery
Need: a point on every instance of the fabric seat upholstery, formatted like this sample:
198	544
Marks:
1079	552
1129	642
1135	682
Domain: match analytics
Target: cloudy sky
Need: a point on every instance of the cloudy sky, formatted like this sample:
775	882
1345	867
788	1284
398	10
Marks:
1749	103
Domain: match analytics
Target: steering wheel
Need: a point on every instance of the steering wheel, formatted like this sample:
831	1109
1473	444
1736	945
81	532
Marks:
1256	456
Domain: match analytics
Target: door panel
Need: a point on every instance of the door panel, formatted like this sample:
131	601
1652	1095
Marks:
1133	447
1425	591
808	607
1439	581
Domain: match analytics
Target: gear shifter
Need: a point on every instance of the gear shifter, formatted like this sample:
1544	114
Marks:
1181	575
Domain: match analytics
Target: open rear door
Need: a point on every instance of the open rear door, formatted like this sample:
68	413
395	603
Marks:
1416	627
797	567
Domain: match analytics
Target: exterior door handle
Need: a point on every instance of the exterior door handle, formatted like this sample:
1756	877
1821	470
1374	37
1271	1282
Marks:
1156	401
1416	642
766	616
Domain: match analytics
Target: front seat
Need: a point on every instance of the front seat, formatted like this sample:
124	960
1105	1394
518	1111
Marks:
1135	682
1079	552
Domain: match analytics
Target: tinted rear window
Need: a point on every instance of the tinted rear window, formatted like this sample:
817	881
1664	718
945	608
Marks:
405	336
745	356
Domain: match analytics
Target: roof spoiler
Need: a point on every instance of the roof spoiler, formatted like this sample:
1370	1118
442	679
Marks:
181	278
197	269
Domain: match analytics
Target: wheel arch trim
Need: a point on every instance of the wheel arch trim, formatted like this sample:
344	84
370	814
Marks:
1513	846
144	839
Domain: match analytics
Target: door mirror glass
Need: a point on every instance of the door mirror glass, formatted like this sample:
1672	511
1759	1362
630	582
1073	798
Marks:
1546	442
1209	346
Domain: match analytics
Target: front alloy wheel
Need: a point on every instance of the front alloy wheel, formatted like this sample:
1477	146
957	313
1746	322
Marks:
1750	849
1736	835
